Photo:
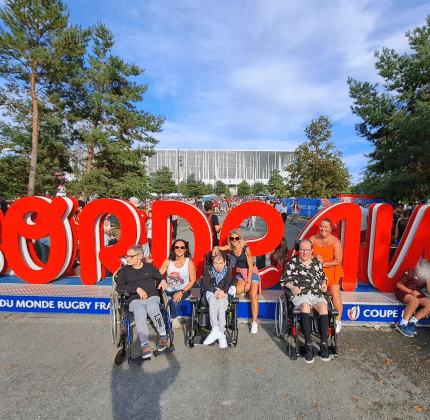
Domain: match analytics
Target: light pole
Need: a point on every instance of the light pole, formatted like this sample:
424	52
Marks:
179	164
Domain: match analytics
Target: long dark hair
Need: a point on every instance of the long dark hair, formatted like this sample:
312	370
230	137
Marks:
281	251
187	254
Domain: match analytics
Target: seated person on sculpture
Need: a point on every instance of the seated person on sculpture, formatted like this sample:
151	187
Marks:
413	289
305	277
137	280
246	273
216	283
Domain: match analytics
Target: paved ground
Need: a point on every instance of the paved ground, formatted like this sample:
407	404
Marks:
59	367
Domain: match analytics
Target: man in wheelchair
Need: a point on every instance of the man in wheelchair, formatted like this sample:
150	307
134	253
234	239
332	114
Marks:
304	277
137	281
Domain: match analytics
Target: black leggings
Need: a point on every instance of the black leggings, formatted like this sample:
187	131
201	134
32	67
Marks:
307	328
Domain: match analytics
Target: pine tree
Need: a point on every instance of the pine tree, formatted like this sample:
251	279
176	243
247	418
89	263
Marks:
38	54
102	110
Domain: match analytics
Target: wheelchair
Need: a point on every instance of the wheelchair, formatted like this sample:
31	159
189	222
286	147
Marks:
199	327
122	325
288	327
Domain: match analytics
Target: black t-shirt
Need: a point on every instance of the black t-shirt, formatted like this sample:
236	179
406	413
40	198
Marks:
214	222
129	279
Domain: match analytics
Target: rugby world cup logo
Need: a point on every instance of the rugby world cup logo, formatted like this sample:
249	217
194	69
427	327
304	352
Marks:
354	313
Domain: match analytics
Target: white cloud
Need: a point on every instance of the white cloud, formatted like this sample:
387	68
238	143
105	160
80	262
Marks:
242	74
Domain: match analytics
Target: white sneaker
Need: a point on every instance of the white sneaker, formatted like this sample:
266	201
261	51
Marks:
222	341
254	327
338	326
214	335
176	323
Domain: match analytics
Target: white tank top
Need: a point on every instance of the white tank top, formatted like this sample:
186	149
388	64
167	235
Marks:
177	278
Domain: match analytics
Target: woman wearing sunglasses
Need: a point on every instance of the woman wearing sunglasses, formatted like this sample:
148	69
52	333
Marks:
180	277
245	272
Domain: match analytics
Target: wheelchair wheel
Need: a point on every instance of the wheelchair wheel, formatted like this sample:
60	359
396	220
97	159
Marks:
119	356
115	327
189	342
281	317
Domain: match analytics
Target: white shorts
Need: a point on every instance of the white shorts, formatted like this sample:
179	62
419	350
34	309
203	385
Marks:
310	299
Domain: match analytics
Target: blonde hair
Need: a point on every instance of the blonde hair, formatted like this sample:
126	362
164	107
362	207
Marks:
242	241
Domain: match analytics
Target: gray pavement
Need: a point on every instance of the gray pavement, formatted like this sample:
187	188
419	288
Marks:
59	367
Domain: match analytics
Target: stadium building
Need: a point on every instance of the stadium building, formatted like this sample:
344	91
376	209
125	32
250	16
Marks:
229	166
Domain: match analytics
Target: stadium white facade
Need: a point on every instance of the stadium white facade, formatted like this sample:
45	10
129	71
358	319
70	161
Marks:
229	166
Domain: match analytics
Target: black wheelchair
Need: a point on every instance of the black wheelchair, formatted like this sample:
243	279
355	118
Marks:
199	327
122	325
288	327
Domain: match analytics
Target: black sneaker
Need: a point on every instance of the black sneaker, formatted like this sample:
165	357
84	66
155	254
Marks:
309	357
325	355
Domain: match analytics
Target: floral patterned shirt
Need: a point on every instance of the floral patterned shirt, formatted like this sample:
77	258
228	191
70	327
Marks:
307	279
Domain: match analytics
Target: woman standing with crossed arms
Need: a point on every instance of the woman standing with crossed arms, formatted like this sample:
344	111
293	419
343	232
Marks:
330	249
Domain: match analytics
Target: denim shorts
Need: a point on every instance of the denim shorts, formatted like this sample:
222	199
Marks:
255	277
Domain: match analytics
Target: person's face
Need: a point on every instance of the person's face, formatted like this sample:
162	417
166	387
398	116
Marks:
234	239
324	229
219	264
305	252
179	248
133	258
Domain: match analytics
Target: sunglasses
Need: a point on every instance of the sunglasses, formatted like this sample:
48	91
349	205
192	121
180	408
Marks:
131	256
234	238
180	247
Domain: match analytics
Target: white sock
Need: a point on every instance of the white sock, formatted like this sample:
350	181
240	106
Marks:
403	322
414	320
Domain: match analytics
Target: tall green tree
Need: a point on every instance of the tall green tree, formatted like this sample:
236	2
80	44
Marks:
39	52
194	188
316	169
162	182
396	120
53	156
220	188
277	186
244	188
102	110
258	187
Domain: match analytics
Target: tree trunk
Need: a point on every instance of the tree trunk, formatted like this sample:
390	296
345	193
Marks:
34	135
90	159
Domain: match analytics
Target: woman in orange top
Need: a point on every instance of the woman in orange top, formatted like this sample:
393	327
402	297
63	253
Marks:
331	251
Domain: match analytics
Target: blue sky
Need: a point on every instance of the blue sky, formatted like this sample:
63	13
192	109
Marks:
252	75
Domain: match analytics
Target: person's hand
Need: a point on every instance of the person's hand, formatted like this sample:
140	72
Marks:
143	295
163	285
177	297
415	293
219	294
296	290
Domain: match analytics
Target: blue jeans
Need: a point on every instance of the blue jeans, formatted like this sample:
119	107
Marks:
175	307
141	309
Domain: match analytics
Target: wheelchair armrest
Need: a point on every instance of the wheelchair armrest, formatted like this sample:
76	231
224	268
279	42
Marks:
194	300
234	300
288	292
